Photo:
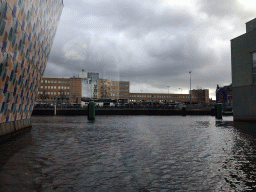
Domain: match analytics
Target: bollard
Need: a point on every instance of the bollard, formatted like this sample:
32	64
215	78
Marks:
219	111
213	111
183	111
91	110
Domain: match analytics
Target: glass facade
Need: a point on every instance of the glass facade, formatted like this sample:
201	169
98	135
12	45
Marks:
27	30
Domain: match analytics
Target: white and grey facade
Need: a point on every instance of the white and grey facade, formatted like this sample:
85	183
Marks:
89	80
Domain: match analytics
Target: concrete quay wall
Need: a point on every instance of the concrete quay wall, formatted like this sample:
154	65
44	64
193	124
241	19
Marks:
13	128
160	112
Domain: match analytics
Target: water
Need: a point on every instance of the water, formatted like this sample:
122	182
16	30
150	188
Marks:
131	153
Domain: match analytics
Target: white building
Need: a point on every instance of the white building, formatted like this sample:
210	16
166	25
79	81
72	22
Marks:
89	79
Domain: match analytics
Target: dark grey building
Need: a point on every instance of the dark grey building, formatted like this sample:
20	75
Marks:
243	62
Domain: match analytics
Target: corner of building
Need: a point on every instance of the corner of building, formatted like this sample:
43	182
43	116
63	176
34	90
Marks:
243	64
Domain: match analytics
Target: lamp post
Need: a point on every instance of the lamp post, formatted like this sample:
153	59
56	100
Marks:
190	89
168	89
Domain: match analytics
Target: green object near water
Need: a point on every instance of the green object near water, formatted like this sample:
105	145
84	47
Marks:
91	110
183	111
219	111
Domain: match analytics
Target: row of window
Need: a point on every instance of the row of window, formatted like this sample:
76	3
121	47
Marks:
53	81
62	81
115	84
54	87
119	89
124	89
116	94
112	94
54	93
47	99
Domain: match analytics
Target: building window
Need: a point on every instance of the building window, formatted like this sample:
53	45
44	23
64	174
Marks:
254	67
51	87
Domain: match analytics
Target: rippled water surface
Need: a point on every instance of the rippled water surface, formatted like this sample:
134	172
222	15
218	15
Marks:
131	153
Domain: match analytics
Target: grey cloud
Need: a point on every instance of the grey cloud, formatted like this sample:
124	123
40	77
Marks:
224	8
140	42
132	16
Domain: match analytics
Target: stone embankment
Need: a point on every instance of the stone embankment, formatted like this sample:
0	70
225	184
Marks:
13	128
159	112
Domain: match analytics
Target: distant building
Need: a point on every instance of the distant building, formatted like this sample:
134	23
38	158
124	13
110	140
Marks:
201	95
220	94
60	90
243	62
161	97
107	89
89	80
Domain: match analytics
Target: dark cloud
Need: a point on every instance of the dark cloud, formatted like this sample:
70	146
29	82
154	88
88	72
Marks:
151	43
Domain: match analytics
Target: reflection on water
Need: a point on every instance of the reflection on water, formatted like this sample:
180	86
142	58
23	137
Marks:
131	153
241	166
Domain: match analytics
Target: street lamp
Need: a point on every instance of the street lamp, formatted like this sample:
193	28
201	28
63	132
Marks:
181	90
190	89
168	89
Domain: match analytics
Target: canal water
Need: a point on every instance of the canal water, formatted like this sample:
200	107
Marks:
131	153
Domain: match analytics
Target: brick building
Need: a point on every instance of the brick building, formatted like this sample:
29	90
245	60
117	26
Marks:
160	97
107	89
60	90
201	95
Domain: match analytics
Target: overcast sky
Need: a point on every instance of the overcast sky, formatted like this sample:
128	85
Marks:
150	43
